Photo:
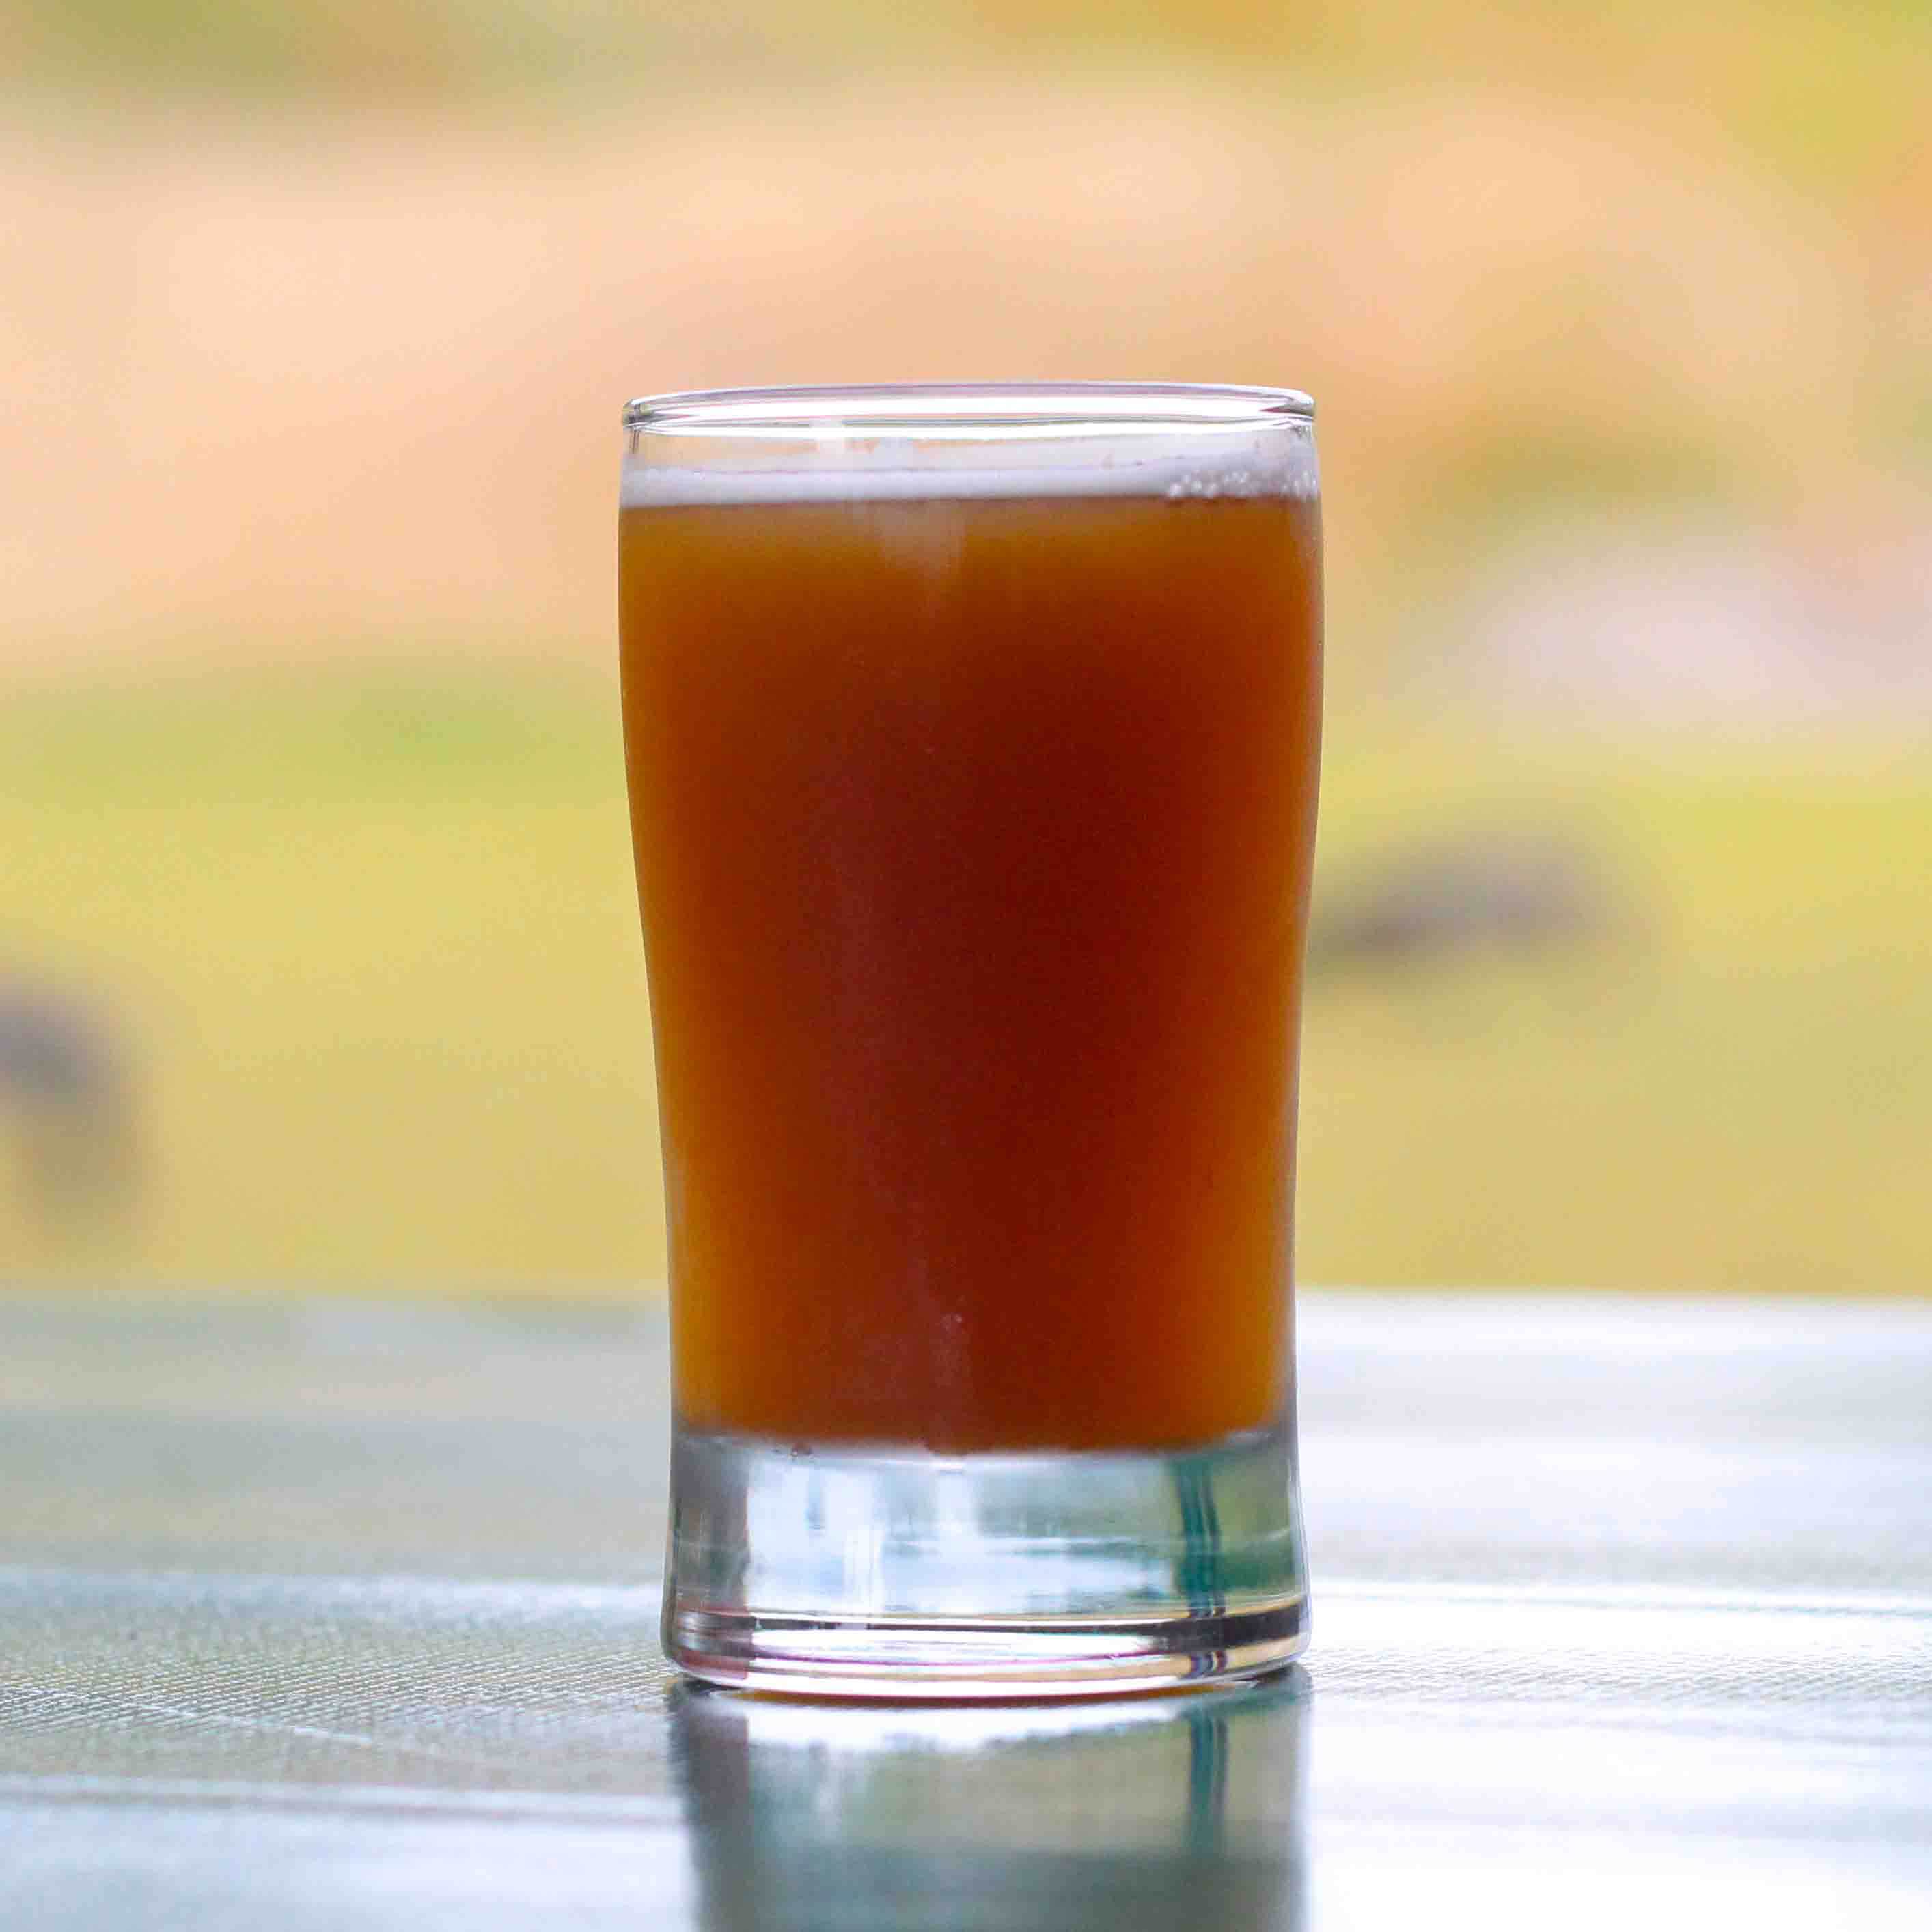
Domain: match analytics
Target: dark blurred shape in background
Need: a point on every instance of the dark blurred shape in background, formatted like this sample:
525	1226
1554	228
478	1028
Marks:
316	325
1509	891
67	1092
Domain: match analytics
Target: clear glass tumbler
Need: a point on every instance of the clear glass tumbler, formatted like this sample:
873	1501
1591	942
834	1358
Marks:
973	737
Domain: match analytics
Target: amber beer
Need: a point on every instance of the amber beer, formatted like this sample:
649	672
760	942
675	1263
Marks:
973	839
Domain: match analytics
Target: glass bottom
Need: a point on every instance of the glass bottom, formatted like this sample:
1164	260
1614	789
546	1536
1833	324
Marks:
886	1571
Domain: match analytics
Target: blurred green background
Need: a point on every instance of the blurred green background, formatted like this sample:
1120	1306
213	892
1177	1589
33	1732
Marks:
318	961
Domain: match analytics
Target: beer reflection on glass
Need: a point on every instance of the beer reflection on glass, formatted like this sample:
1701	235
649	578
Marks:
972	740
1114	1815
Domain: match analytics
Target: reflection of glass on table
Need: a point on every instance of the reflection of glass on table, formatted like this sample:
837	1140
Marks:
1115	1814
972	741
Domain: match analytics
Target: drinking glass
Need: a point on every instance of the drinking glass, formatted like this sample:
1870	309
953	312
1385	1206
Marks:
972	737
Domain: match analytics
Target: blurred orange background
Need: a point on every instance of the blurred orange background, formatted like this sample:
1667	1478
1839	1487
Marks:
315	330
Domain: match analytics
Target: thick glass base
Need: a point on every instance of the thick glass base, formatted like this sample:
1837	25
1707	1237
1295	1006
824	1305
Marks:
884	1571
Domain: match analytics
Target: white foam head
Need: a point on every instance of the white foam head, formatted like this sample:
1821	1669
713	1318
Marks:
1277	461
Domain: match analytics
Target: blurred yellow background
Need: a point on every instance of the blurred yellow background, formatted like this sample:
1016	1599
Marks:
318	959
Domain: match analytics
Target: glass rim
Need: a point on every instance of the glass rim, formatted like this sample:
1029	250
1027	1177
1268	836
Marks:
810	411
